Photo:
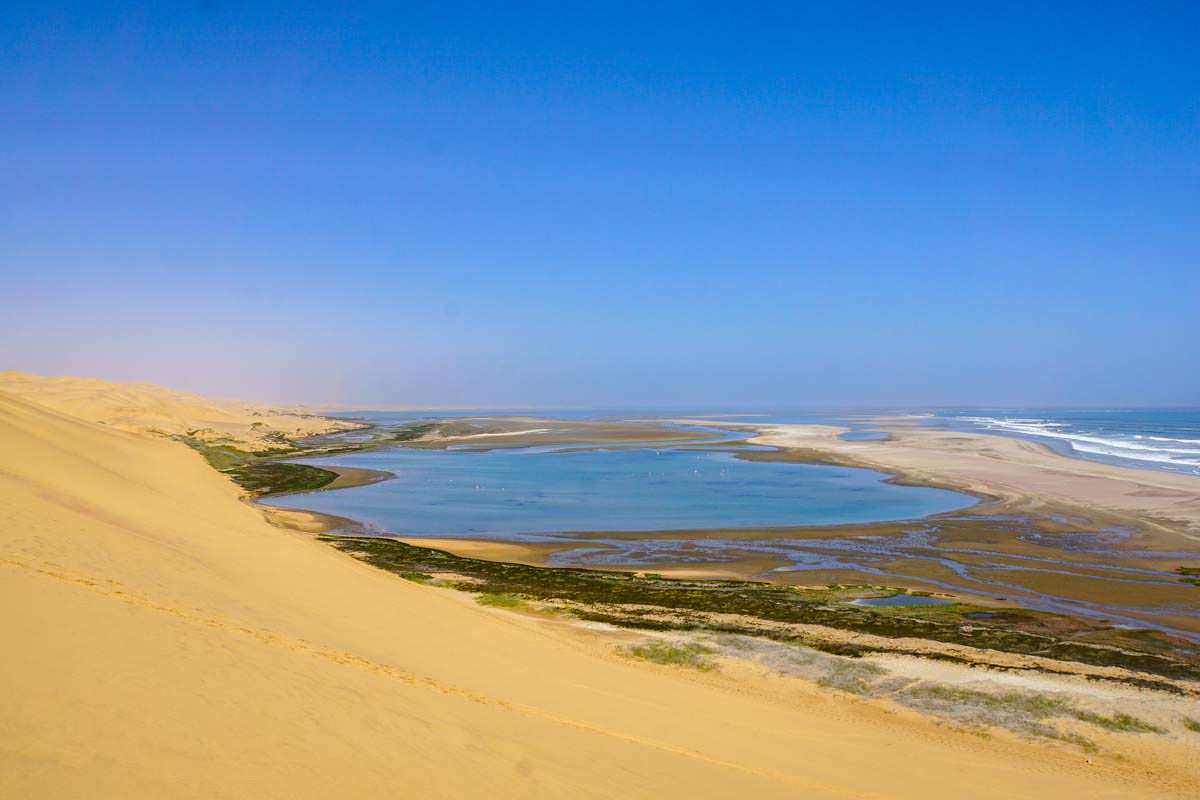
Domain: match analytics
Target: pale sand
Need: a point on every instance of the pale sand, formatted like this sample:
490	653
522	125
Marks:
532	553
1025	475
161	639
146	408
504	433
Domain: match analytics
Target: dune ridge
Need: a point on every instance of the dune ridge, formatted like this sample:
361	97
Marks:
147	408
163	639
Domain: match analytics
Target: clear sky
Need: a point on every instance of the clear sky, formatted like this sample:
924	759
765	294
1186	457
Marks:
571	204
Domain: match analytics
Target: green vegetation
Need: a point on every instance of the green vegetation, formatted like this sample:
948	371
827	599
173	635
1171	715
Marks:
1190	575
278	477
1024	712
260	474
500	600
851	676
1120	723
1191	724
689	655
1033	706
257	475
416	577
975	707
752	608
412	432
220	457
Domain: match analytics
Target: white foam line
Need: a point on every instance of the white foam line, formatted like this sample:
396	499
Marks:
1116	448
506	433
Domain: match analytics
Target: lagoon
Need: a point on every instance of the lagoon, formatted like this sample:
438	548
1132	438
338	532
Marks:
507	492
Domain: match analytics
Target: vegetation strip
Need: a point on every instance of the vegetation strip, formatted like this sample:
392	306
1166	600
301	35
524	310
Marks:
641	600
261	473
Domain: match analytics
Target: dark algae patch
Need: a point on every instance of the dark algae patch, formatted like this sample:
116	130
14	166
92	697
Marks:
259	475
413	432
276	478
648	601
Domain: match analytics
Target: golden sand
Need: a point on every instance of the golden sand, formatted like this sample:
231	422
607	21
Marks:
161	639
146	408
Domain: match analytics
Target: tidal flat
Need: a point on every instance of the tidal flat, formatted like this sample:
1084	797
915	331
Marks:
530	488
1063	583
810	615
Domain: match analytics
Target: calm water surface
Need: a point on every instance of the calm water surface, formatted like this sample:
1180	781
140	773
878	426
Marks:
506	492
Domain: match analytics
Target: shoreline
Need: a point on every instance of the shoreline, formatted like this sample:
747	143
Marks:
1088	589
347	478
1017	473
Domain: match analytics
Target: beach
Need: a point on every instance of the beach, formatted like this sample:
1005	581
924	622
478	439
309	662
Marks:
168	640
1025	475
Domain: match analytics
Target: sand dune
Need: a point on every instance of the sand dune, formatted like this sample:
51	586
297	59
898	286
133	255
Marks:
161	639
148	408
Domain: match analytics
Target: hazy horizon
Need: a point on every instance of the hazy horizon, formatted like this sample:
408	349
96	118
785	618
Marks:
677	207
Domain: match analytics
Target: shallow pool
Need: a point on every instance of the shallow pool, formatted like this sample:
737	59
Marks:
902	600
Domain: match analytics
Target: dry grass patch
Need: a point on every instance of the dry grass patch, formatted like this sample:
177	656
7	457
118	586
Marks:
691	655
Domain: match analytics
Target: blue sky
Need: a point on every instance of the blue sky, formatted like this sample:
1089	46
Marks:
607	205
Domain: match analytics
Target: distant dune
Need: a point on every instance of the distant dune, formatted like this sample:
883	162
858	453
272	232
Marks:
161	639
147	408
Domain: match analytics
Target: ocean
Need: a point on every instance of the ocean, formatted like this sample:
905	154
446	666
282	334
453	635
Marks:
1155	438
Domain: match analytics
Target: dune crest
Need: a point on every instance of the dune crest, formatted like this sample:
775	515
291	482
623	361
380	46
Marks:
147	408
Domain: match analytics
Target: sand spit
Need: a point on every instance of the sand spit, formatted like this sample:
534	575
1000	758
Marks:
1025	475
162	639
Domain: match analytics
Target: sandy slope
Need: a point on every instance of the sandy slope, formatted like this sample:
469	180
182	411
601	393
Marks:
161	639
148	408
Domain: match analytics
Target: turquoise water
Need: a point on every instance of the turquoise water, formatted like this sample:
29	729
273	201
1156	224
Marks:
505	492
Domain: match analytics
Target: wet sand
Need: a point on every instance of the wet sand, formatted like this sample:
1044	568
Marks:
348	477
488	433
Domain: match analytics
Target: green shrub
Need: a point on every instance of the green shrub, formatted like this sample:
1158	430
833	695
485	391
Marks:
1121	723
500	600
673	654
